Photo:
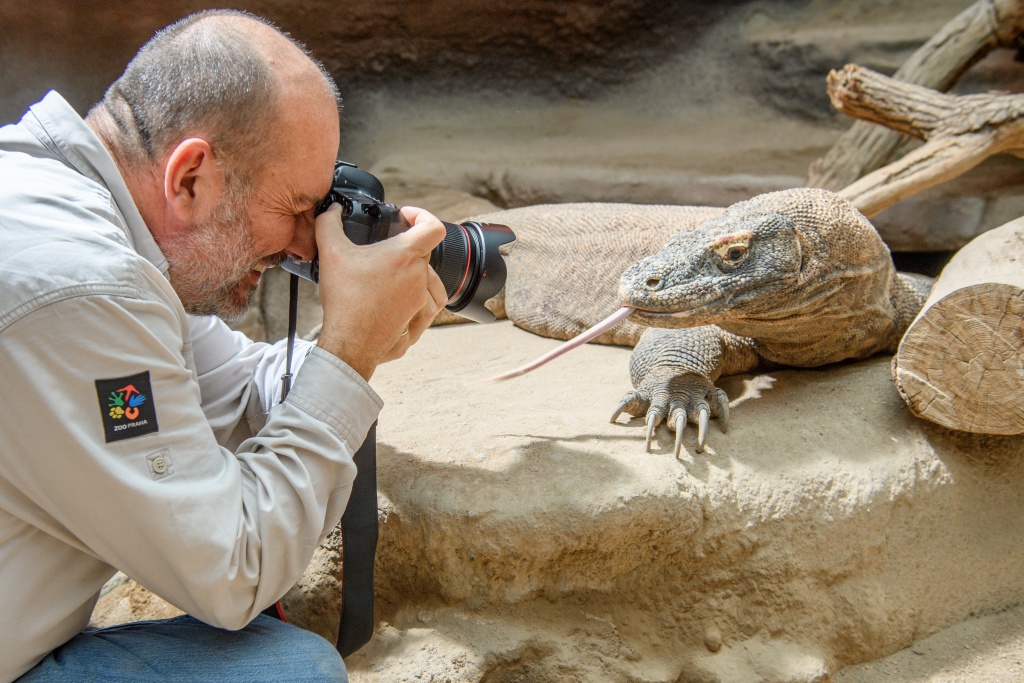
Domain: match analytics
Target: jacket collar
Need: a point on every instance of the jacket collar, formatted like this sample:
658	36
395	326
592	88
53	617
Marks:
61	130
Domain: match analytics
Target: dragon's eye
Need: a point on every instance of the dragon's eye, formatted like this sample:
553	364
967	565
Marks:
733	249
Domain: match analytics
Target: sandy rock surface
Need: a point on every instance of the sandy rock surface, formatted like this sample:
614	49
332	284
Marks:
524	536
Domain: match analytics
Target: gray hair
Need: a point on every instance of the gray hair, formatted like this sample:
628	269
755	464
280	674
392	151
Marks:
196	77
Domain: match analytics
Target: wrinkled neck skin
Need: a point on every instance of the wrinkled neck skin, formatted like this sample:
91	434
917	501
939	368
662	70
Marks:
846	315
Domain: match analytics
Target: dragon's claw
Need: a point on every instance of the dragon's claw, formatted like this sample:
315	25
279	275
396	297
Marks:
636	403
722	403
683	399
655	416
680	424
618	411
703	415
651	424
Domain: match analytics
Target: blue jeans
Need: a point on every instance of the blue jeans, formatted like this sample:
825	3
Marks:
186	649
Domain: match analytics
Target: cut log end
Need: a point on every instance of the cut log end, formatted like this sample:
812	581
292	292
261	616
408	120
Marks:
962	364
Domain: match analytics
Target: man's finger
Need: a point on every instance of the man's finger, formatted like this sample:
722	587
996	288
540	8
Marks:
426	232
437	291
329	224
412	214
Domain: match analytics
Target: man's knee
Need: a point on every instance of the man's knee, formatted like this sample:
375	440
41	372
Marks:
304	651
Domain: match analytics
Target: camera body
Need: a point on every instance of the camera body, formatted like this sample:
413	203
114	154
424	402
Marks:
467	260
365	216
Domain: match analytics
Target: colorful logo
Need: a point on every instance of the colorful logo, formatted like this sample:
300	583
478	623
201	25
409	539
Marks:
125	402
127	406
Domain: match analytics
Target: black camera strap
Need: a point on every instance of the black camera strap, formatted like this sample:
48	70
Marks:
293	323
359	530
359	549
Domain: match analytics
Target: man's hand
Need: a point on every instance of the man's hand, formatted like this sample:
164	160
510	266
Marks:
377	298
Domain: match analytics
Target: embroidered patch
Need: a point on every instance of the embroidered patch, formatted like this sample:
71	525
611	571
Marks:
127	406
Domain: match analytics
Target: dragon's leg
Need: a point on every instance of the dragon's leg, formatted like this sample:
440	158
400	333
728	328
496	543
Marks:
673	373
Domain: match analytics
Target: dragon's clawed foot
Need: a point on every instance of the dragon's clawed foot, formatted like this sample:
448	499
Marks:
688	398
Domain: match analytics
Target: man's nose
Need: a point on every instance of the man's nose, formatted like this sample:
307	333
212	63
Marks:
303	244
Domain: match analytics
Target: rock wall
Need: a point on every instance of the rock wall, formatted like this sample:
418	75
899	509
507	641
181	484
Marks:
541	100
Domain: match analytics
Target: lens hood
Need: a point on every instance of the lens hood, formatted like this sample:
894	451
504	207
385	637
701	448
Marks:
484	269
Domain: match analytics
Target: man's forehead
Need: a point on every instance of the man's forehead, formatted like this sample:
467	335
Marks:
305	152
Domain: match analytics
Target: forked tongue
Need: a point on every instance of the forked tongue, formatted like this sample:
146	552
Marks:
579	340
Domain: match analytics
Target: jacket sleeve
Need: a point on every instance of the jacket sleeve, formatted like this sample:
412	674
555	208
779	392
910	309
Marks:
219	533
239	379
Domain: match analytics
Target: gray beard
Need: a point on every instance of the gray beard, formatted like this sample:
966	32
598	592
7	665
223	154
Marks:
210	261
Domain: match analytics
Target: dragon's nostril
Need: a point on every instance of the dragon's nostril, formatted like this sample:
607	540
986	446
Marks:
653	283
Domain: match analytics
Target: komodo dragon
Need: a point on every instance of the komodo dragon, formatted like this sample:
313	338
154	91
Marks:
797	277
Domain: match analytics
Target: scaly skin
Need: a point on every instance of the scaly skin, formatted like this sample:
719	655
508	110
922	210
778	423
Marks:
797	278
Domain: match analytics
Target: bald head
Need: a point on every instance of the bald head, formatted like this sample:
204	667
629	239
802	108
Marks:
222	75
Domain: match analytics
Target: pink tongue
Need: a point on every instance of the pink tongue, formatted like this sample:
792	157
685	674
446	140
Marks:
579	340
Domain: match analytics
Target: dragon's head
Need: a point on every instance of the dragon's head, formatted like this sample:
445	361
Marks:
742	262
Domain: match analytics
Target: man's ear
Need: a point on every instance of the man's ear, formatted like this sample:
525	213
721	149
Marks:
192	178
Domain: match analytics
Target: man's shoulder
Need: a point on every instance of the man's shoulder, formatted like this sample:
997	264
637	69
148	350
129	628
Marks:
41	185
36	185
62	232
70	242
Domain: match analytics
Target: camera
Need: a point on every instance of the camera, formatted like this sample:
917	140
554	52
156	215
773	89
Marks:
467	260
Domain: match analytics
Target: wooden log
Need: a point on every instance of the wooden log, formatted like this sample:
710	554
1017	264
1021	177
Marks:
961	362
962	131
937	64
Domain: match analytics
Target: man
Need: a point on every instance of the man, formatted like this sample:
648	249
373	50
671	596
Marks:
138	433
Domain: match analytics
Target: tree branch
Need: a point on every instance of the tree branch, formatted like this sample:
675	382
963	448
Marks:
937	64
961	132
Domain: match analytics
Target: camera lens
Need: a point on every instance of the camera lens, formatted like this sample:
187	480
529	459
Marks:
470	266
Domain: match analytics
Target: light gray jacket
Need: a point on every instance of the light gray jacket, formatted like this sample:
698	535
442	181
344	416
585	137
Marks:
133	436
